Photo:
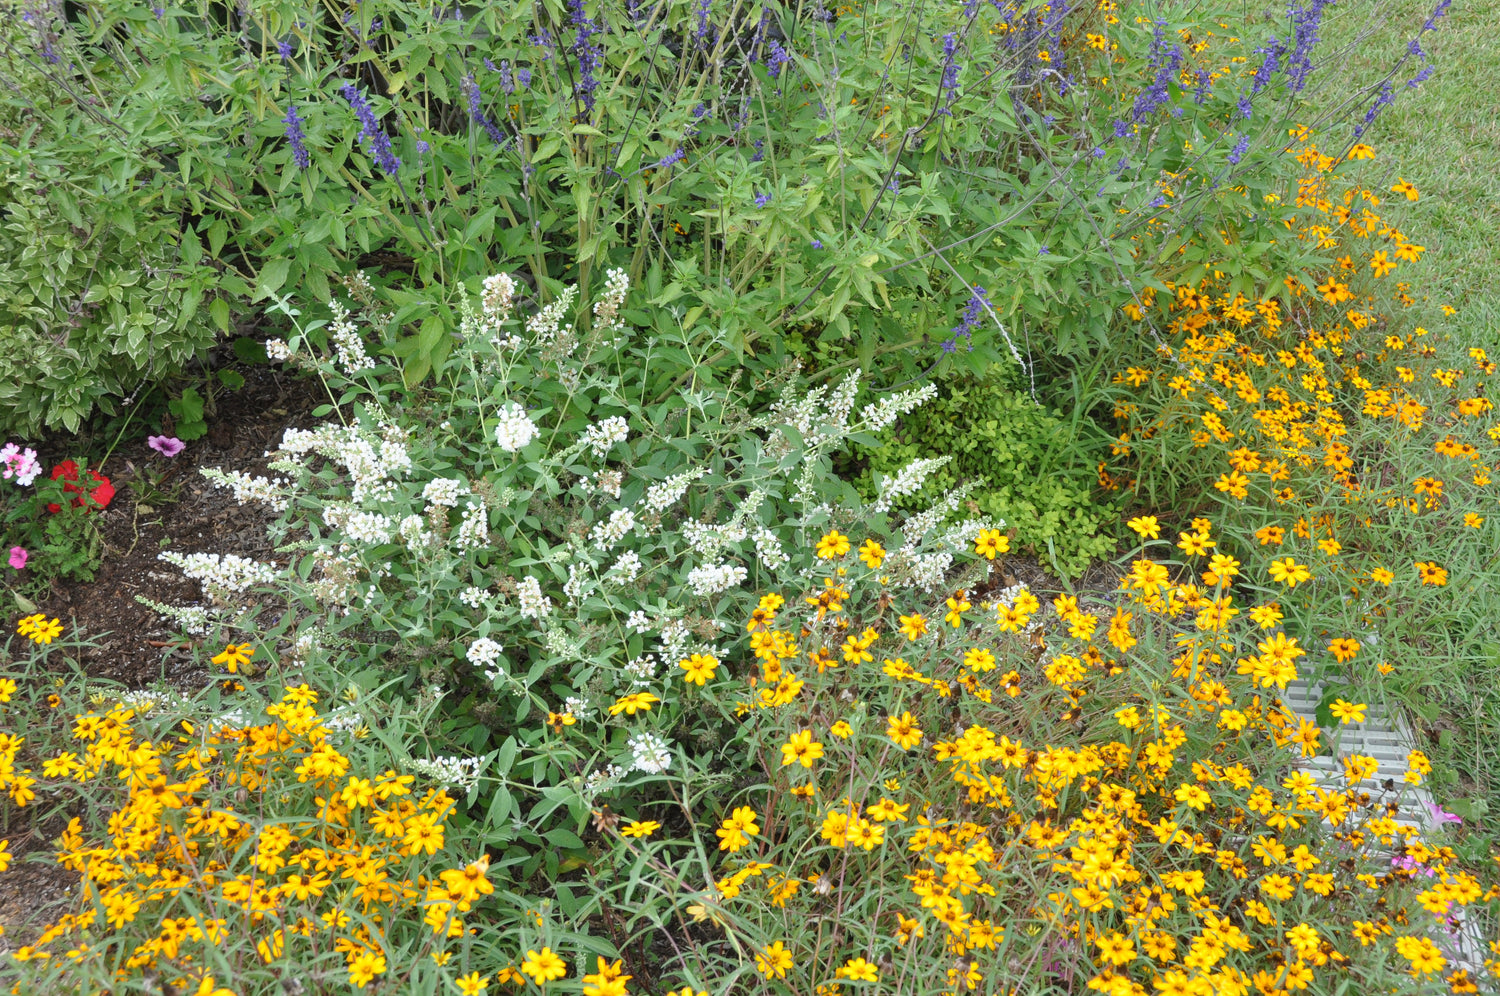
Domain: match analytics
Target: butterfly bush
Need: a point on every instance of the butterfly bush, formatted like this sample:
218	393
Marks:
539	542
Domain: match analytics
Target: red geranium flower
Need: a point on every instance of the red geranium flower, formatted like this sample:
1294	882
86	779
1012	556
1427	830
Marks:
98	497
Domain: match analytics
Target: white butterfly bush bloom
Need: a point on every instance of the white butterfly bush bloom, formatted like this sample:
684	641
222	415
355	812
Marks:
879	414
544	325
484	654
474	530
607	308
534	605
444	491
271	492
649	753
514	429
219	576
602	435
660	497
606	534
415	534
346	341
450	771
499	296
627	568
370	528
710	579
907	480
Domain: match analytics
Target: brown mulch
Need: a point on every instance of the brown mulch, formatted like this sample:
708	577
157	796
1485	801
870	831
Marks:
131	643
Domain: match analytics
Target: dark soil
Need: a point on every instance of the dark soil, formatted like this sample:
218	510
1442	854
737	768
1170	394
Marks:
183	512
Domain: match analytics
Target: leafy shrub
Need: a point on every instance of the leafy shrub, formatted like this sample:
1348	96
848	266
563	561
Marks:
766	162
544	546
100	292
1028	467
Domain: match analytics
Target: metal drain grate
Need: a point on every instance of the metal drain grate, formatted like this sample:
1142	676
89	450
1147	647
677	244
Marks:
1387	738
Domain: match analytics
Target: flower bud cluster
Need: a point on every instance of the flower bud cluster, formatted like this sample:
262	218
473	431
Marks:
222	576
271	492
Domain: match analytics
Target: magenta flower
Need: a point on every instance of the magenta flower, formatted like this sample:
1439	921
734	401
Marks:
18	557
167	446
1439	817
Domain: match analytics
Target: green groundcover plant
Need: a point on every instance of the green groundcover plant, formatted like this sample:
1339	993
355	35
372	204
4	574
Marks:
1027	465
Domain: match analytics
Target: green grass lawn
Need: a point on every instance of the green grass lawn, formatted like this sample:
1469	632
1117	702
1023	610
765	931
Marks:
1444	137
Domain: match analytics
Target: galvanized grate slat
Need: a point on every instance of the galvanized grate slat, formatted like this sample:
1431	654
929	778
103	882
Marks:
1386	737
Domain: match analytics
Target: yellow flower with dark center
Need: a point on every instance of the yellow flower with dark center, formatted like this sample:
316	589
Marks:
39	630
365	966
872	553
834	544
737	829
979	660
633	703
913	626
1428	571
543	966
1194	544
903	730
801	749
472	984
1424	955
886	811
773	960
1116	949
859	970
991	542
1289	572
639	828
235	657
699	668
609	980
957	606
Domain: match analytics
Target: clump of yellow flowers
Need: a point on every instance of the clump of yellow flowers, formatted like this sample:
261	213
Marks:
220	856
1139	819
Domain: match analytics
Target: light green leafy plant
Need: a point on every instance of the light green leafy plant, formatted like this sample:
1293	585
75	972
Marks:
1027	465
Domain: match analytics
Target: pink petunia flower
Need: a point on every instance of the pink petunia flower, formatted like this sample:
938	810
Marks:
167	446
18	557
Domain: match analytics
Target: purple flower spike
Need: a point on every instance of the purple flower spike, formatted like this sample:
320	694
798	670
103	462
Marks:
296	139
377	142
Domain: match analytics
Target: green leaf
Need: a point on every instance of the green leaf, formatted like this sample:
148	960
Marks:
563	837
249	350
272	276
